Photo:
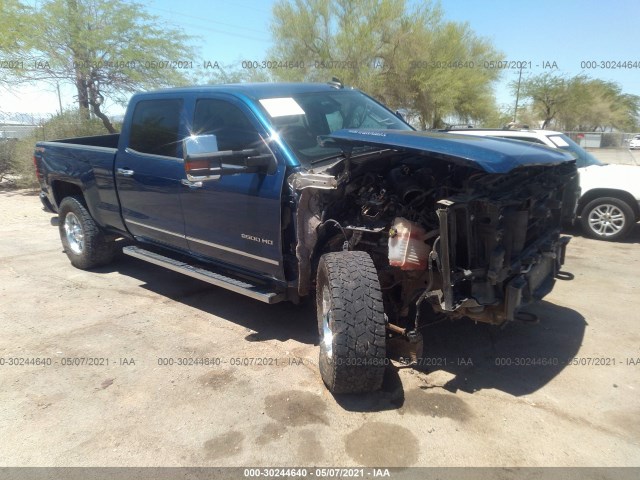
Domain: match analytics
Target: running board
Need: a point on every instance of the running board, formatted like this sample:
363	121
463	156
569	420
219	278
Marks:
239	286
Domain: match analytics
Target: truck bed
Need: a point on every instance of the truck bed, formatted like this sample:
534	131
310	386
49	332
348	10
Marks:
107	141
86	163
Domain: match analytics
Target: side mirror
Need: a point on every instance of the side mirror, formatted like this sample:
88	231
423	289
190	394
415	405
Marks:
203	160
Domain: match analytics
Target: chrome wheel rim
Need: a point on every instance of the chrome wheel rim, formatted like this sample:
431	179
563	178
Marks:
606	220
73	232
327	334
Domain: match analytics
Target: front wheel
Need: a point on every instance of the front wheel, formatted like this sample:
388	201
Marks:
607	218
351	323
83	241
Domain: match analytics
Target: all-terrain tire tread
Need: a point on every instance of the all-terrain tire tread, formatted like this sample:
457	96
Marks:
359	352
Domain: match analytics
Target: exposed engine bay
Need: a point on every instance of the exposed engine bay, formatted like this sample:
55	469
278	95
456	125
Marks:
442	234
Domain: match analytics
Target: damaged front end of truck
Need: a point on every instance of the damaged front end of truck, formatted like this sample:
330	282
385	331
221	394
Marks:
455	227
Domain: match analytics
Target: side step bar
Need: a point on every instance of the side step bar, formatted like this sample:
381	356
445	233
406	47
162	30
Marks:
217	279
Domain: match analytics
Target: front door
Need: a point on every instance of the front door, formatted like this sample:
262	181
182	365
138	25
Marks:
235	219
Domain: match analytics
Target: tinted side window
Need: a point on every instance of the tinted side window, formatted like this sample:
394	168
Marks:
228	123
155	127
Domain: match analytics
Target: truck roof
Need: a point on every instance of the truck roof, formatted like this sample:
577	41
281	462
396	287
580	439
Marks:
257	90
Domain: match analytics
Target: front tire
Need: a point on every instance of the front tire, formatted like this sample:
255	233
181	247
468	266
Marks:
607	218
84	242
351	323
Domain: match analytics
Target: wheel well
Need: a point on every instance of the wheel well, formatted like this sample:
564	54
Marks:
65	189
626	197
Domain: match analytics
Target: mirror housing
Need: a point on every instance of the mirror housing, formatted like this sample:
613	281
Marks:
203	161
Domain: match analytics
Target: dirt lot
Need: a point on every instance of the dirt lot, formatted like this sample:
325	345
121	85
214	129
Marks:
471	409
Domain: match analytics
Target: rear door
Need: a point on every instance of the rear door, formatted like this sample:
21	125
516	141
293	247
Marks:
149	172
235	219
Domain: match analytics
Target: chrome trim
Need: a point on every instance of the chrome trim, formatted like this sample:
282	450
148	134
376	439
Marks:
210	244
233	250
155	228
191	184
74	233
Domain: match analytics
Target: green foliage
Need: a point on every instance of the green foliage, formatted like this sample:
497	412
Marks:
550	93
114	43
15	38
70	124
580	103
407	56
14	32
106	49
16	158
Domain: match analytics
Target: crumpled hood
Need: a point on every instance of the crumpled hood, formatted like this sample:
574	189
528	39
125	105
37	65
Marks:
493	155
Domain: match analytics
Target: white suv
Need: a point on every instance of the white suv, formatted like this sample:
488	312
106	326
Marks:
634	142
609	204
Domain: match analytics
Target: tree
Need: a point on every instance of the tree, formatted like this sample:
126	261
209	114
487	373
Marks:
14	38
549	92
599	105
458	84
580	103
106	49
13	32
408	57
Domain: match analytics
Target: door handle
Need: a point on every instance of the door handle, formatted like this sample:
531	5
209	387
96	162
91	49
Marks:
190	184
124	172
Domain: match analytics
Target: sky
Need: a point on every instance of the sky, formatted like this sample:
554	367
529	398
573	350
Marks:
567	32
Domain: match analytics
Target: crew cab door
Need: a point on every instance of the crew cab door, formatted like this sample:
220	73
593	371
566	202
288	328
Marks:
235	219
149	172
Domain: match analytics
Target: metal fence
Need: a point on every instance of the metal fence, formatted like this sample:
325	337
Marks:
16	126
16	132
601	139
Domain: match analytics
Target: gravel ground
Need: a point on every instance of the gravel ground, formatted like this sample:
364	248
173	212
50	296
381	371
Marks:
474	406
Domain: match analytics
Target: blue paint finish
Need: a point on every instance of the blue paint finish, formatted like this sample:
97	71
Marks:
151	197
90	169
493	155
234	220
225	216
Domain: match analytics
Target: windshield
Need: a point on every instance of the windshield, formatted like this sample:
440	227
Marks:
300	119
583	158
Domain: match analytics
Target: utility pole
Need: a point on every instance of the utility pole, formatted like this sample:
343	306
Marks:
515	110
59	97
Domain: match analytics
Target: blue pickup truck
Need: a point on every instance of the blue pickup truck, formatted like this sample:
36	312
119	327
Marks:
286	191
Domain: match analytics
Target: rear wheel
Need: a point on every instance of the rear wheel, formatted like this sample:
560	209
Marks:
607	218
83	241
351	323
